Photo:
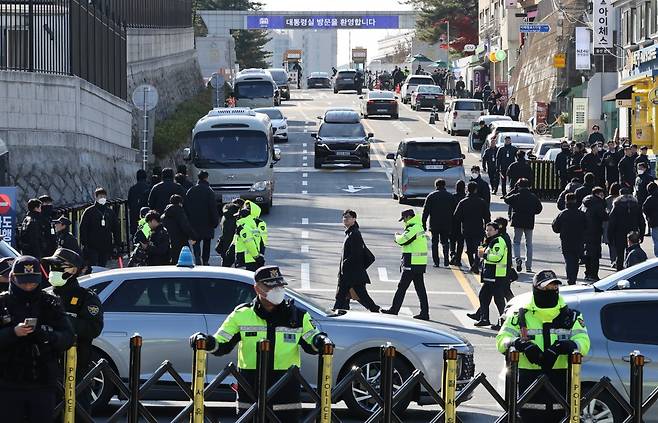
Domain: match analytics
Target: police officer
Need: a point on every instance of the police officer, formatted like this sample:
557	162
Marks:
47	231
31	230
34	333
494	253
64	237
504	158
247	249
82	306
99	231
260	232
268	316
414	261
545	331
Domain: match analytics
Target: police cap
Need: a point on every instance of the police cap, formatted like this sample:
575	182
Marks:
544	278
269	276
63	220
406	213
65	257
26	270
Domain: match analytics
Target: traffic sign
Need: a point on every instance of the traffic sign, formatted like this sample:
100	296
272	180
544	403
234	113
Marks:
534	27
217	80
145	97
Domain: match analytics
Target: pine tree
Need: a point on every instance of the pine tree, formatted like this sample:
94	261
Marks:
249	44
433	15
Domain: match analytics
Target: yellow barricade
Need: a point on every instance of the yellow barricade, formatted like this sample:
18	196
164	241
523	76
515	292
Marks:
199	381
449	384
68	416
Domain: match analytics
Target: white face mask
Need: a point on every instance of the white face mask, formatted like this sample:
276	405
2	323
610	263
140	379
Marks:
474	175
640	172
276	295
56	278
102	201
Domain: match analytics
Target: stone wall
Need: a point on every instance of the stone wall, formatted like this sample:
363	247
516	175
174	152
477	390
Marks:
65	137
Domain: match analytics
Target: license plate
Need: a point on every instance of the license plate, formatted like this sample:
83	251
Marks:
430	97
434	167
227	198
382	110
342	153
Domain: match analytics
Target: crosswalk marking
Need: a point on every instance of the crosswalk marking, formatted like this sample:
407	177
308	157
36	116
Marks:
383	275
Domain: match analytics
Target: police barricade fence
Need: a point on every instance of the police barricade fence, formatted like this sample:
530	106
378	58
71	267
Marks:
545	182
383	392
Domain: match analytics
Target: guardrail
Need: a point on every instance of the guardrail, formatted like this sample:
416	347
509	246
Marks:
261	411
545	182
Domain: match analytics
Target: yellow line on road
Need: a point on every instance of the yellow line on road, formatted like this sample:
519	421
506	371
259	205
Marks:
466	286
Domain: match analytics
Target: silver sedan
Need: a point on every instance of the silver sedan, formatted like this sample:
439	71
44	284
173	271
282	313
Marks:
166	304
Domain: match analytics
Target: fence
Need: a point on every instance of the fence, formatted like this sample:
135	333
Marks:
325	393
545	183
66	37
148	13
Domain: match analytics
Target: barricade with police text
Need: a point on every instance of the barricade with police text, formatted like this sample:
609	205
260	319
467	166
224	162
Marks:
385	396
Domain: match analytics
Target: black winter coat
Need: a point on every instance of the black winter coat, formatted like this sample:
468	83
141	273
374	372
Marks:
594	208
634	255
627	171
472	213
66	240
505	157
352	269
562	162
626	216
439	208
489	159
583	192
228	228
99	228
31	241
569	189
525	206
650	209
611	163
591	163
484	190
157	251
640	189
571	224
138	197
201	207
519	169
161	192
178	226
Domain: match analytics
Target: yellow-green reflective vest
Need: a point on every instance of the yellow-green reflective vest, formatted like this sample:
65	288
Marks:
535	318
413	242
495	260
244	240
252	328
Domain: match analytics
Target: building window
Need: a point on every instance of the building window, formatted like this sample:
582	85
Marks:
653	16
632	26
625	27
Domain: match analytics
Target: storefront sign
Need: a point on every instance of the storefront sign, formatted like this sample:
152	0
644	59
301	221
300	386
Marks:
582	48
322	22
579	115
541	112
624	103
602	26
8	215
560	60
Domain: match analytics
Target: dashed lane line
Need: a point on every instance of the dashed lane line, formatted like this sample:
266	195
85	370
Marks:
306	280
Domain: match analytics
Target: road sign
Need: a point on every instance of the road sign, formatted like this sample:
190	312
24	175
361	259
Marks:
145	97
534	28
560	60
352	189
217	80
469	47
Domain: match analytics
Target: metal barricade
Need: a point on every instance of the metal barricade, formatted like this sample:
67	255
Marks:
545	182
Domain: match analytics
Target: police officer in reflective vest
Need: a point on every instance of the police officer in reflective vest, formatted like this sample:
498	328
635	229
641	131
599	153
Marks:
268	316
246	244
545	331
414	260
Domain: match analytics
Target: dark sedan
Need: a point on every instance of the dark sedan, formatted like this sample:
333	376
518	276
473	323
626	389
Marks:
379	103
428	96
342	139
318	80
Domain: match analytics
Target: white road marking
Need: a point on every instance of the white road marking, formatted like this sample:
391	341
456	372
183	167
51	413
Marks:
304	192
304	164
304	151
304	234
305	158
326	170
306	280
304	175
405	311
304	183
352	189
304	249
383	275
462	318
303	144
383	291
304	220
305	131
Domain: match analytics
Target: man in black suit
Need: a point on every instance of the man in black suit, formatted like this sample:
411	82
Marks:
513	110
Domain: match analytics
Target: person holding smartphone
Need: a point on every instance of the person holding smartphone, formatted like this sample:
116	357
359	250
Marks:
34	333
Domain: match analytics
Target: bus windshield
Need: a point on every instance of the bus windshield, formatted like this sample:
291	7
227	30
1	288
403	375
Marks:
230	148
253	89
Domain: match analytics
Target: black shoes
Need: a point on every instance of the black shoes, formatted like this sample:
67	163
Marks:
482	323
495	326
388	311
518	265
475	316
422	316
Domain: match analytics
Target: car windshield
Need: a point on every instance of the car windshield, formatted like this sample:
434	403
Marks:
545	147
346	74
433	150
230	148
517	139
382	94
524	129
342	130
279	76
307	300
421	81
468	105
6	250
253	89
271	113
433	89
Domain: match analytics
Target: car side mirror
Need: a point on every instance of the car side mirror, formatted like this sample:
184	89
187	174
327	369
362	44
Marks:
390	156
371	135
360	97
187	154
277	155
623	284
397	98
314	135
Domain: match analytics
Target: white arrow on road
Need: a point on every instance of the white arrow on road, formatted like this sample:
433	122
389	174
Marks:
352	189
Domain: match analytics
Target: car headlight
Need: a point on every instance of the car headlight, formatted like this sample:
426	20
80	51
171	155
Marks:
260	186
322	145
283	127
363	146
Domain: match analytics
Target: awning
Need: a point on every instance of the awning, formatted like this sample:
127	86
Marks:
621	93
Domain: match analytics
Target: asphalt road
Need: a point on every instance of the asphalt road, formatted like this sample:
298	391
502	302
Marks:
306	234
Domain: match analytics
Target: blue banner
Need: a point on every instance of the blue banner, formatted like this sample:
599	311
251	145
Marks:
8	221
323	22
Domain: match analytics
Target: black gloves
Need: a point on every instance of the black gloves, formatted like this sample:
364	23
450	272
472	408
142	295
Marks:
210	341
564	347
532	352
321	340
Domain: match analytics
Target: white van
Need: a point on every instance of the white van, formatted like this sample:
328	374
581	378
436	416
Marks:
255	88
236	147
461	113
411	83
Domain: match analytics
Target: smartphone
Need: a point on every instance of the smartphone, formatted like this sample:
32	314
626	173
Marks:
30	321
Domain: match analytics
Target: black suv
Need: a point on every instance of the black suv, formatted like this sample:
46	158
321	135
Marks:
280	77
342	139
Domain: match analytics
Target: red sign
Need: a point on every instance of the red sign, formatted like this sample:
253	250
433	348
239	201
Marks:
541	112
5	204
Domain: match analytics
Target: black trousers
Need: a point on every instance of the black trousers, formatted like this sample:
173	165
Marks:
457	247
27	405
551	413
493	179
592	256
286	404
202	257
571	260
503	182
95	257
489	291
343	297
444	238
418	278
620	251
472	243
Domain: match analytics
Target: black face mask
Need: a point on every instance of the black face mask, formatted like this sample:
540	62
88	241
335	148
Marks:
545	299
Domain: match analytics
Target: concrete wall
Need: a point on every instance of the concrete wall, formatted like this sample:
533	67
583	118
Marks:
65	137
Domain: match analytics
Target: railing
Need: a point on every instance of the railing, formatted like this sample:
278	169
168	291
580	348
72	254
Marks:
260	408
545	182
66	37
148	13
